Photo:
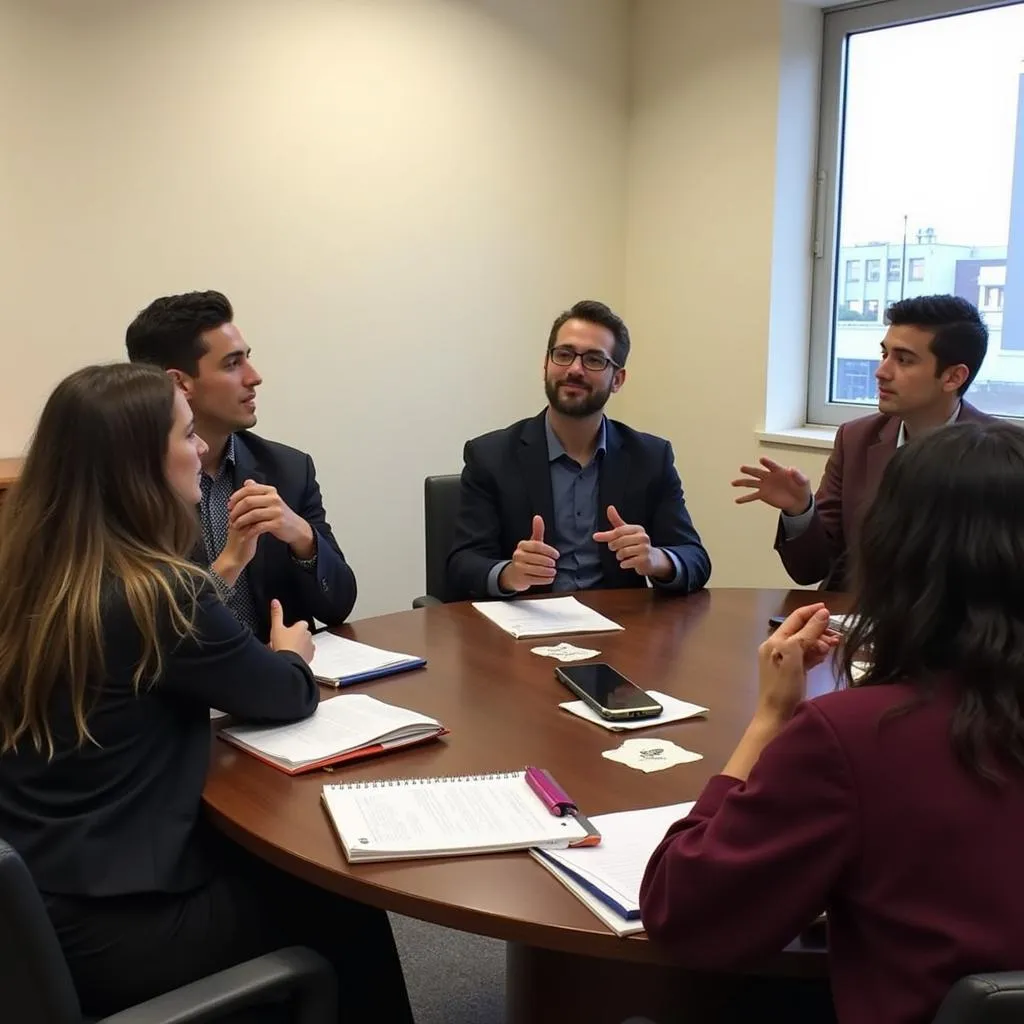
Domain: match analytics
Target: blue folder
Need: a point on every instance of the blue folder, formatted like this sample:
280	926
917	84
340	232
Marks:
626	915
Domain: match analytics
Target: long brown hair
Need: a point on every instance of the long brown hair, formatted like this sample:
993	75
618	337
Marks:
940	586
93	507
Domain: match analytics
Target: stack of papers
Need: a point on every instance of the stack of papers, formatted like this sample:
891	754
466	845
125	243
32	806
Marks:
607	877
338	661
341	729
674	710
550	616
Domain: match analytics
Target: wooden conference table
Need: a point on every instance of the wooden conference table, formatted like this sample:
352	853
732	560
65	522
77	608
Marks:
500	702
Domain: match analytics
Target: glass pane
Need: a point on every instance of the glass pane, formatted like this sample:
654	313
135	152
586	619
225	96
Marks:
933	191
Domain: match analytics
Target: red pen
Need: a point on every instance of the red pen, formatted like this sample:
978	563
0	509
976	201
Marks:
555	799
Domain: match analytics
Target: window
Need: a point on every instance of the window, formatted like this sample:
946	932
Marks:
954	225
855	381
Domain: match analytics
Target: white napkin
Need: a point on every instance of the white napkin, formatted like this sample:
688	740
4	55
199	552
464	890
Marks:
675	710
565	652
650	755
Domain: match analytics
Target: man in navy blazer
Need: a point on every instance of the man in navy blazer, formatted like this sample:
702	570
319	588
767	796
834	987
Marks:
570	500
265	533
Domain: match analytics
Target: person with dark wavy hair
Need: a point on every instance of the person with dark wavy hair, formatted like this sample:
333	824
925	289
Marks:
931	352
896	804
265	534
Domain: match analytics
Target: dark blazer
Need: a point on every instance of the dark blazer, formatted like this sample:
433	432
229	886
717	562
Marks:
329	592
122	815
862	450
871	818
506	481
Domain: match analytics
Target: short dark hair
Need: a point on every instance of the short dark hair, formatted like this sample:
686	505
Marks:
939	569
960	335
595	312
168	332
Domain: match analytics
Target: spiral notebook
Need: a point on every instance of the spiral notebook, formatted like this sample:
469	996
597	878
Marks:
396	819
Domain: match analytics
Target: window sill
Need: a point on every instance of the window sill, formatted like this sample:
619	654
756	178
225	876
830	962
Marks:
812	436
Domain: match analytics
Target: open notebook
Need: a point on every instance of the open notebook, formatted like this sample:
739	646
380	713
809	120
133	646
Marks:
395	819
342	728
607	877
339	661
550	616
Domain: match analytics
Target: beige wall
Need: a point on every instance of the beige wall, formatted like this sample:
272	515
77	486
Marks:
398	197
721	160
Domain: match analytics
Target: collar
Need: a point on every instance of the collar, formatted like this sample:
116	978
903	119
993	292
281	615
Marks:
227	460
555	448
901	437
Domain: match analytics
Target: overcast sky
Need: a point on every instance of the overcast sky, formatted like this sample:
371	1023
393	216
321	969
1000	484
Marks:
931	123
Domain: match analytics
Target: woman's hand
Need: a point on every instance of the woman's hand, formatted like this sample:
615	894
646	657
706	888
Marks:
798	645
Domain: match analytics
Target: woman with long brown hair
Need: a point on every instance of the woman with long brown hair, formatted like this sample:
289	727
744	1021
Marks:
896	803
113	648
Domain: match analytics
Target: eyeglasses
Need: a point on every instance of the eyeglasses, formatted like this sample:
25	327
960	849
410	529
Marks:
593	361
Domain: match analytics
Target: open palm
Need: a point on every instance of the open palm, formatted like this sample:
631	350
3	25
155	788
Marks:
782	487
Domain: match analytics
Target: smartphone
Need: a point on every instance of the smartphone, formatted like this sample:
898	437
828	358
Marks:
775	621
608	692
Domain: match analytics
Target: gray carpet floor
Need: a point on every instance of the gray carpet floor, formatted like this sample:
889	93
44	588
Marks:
453	978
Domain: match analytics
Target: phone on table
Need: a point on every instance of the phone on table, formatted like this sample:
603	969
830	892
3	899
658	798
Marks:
608	692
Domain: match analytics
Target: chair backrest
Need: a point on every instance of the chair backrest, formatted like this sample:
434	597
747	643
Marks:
985	999
35	985
440	507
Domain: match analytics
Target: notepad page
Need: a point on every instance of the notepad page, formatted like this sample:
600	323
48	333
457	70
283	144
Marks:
545	617
339	724
336	657
628	839
427	815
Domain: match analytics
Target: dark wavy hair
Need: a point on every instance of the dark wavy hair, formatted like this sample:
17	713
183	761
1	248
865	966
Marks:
169	332
939	582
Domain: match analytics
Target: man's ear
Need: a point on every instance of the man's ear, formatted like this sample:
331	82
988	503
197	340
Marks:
618	380
955	377
182	381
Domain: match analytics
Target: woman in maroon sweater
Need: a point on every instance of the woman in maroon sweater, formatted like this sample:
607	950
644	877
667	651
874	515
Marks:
896	803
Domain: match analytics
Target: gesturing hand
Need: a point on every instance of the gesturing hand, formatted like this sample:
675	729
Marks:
533	562
786	489
296	638
633	548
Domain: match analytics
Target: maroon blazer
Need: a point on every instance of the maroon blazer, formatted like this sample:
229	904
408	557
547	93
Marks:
871	818
863	448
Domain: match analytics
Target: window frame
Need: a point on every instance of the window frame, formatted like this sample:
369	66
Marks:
839	24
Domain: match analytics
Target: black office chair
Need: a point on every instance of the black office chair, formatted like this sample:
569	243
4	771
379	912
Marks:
36	986
440	507
985	999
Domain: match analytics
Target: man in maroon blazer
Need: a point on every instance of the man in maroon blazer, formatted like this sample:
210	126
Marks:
932	350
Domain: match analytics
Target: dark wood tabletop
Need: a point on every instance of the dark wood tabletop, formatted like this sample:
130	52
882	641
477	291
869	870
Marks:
500	702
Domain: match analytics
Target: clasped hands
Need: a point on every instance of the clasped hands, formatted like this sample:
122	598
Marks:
253	510
533	561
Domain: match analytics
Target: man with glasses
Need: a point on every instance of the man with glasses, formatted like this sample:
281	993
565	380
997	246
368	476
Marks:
570	500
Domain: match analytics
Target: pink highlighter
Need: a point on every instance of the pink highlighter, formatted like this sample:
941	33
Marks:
554	798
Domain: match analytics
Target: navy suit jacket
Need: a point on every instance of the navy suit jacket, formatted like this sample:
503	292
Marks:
506	481
329	592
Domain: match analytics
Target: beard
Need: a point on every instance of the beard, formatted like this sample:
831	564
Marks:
590	400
